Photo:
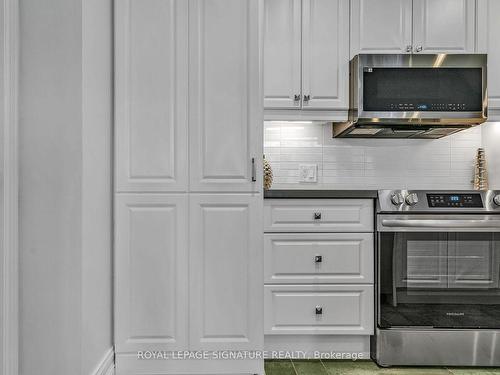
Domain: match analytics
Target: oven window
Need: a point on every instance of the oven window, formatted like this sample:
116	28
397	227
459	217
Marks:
422	89
440	280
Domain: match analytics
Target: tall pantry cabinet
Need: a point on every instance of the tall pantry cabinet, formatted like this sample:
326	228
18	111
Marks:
188	142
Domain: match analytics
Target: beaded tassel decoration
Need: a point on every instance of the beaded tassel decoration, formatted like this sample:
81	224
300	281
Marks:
480	171
268	174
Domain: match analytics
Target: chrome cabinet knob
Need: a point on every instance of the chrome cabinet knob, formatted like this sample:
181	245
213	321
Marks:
296	98
418	49
307	98
317	216
318	259
409	47
496	200
397	199
319	310
412	199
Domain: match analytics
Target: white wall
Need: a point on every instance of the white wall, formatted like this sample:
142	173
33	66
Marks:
65	204
369	163
491	143
97	83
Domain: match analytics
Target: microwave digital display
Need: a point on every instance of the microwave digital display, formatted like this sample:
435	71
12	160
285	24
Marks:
422	89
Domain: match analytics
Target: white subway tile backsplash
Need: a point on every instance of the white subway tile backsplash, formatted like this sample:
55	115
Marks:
445	163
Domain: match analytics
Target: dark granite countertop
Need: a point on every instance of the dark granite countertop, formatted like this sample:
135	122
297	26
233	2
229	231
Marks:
320	194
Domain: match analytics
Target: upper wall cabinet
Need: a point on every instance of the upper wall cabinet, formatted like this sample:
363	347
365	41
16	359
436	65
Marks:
306	45
444	26
381	26
418	26
488	34
151	95
225	107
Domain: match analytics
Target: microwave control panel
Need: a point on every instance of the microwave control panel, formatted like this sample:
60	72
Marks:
437	107
470	200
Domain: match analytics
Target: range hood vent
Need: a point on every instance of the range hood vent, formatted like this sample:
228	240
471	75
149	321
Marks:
348	130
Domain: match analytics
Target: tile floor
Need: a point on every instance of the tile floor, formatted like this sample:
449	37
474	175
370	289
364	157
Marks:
316	367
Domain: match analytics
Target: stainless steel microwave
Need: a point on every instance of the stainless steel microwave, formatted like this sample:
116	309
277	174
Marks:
415	96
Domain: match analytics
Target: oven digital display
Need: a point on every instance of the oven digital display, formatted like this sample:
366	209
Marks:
455	200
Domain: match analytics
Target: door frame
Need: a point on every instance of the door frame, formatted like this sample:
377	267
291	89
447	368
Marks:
9	183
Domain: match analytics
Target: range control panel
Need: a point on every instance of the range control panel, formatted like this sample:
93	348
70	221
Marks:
469	200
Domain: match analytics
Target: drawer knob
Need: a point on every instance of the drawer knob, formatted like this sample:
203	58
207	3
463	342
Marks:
319	310
318	258
317	216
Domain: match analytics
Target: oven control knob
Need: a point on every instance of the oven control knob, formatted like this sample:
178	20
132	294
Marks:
496	199
397	199
412	199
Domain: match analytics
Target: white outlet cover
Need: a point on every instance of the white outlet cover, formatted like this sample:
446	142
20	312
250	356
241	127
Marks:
308	172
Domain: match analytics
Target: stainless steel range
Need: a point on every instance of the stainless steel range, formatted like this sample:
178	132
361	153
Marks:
438	278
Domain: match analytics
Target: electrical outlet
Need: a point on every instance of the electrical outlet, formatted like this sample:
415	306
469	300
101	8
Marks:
308	172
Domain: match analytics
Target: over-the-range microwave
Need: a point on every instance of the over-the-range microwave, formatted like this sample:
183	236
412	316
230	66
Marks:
415	96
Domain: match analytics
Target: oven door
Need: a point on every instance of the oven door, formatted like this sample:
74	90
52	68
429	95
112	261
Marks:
438	271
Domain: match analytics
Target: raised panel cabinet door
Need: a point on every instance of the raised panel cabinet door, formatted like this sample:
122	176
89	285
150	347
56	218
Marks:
151	95
318	258
488	32
325	54
282	53
151	245
225	108
381	26
319	310
226	297
444	26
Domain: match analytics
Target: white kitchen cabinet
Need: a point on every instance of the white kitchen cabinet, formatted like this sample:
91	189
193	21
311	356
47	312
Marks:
319	309
282	53
306	52
188	266
318	215
444	26
381	26
488	32
318	274
225	102
151	46
226	272
151	272
413	26
340	258
325	51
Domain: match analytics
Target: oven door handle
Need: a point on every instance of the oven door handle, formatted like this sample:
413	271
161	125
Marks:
440	223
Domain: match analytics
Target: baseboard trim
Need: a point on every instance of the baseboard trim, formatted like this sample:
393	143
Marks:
107	364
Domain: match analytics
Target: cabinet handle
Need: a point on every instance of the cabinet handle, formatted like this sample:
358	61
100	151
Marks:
317	216
319	310
409	47
296	98
318	258
254	173
418	49
307	98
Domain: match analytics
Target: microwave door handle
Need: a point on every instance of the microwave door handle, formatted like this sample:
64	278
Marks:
437	223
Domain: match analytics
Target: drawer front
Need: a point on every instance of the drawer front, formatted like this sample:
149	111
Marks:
318	215
319	309
336	258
